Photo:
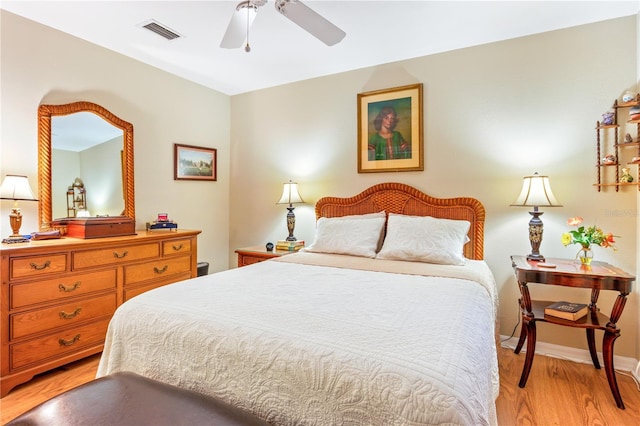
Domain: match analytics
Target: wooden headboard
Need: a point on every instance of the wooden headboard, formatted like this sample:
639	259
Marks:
399	198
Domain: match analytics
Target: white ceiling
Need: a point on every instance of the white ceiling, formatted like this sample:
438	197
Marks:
80	131
281	52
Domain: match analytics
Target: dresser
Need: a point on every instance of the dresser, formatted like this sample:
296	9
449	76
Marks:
59	295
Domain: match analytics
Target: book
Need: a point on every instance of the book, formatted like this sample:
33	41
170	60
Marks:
289	248
567	310
290	243
284	245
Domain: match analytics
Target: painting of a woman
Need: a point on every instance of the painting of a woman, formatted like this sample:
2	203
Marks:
387	143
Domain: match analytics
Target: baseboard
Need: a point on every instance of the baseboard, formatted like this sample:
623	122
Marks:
630	365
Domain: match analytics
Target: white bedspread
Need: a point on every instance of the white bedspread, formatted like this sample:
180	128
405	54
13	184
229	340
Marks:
312	344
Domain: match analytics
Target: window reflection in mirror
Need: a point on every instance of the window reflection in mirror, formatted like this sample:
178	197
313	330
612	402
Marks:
87	147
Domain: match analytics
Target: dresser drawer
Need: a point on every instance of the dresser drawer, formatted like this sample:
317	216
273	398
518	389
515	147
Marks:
40	320
33	266
176	247
58	344
56	289
244	260
158	269
93	258
133	291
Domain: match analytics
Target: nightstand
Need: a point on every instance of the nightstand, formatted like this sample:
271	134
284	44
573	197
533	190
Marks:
255	254
569	273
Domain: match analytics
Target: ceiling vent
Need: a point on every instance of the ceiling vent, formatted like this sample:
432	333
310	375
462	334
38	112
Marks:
161	30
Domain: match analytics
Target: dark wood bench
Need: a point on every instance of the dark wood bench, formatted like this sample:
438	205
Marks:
130	399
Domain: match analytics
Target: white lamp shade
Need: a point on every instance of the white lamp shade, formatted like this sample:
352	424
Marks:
15	187
290	194
536	192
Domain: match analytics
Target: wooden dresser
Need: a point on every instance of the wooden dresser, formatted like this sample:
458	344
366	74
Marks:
59	295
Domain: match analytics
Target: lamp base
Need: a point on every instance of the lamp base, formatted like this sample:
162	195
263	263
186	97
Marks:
291	223
535	257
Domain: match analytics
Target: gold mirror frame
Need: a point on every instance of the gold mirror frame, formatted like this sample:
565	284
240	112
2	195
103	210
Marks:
45	113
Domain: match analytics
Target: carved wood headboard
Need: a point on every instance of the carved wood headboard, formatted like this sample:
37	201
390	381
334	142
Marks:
399	198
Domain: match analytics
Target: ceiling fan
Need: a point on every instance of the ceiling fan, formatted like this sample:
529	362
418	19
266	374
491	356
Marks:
300	14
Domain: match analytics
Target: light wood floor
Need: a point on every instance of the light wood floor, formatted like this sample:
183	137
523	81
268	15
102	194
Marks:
558	392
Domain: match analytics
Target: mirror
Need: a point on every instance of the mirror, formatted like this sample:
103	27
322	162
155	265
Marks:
54	163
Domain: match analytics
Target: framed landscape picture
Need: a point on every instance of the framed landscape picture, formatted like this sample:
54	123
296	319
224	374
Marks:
390	130
194	162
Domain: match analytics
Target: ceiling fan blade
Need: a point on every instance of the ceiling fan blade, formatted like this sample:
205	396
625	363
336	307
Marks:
311	21
236	33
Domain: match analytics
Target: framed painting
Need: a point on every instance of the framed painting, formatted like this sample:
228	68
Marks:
194	162
390	130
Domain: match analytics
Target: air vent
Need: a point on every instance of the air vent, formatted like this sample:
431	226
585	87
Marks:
161	30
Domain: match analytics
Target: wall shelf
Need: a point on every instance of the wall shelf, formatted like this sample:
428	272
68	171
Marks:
608	144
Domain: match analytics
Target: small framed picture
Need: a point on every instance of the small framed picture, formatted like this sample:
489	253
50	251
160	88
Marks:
194	163
390	130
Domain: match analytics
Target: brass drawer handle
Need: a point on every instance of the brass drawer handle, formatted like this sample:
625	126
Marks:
120	256
69	342
66	289
37	267
161	271
64	315
177	247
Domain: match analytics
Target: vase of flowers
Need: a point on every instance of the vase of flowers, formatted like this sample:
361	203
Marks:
586	236
585	255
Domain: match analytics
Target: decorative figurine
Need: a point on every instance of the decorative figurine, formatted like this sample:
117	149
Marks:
609	159
626	176
607	117
628	138
628	96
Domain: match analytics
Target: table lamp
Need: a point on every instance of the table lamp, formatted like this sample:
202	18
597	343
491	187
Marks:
536	192
16	188
290	196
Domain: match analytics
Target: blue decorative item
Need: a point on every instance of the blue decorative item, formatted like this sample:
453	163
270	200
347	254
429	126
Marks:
607	118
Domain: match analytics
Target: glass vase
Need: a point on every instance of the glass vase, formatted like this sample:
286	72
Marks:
585	255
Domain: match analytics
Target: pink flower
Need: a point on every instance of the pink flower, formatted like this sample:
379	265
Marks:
574	221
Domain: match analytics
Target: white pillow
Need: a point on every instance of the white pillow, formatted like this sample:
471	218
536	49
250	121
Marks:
356	235
425	239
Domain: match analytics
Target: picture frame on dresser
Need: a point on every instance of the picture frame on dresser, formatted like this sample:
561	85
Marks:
194	162
390	133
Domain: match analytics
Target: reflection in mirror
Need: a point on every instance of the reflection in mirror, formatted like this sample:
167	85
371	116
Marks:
86	177
108	183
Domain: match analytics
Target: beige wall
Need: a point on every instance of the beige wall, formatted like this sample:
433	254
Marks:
492	114
41	65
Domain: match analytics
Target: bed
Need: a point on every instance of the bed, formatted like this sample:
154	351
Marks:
345	332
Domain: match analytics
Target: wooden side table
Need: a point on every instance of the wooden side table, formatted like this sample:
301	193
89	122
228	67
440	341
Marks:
568	273
255	254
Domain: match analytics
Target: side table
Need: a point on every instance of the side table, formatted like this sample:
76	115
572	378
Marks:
255	254
568	273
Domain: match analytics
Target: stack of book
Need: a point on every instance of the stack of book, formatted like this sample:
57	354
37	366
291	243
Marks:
284	245
567	310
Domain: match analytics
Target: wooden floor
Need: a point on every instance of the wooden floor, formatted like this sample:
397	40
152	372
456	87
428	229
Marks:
558	392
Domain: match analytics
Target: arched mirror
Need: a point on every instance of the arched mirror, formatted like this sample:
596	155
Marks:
84	153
